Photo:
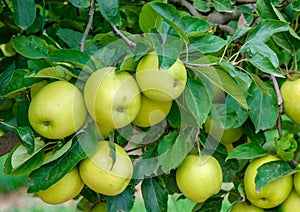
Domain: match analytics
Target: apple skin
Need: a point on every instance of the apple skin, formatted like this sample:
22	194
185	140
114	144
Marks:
113	99
290	92
160	85
57	110
63	190
296	181
100	207
226	136
198	178
151	112
269	196
99	175
245	207
292	203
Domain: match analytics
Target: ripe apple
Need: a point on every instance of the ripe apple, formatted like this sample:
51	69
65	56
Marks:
290	94
160	85
63	190
112	98
100	207
245	207
292	203
104	176
57	110
199	177
226	136
151	112
269	196
296	181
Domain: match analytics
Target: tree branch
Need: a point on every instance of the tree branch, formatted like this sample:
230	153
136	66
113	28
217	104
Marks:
279	103
123	37
88	26
190	8
8	142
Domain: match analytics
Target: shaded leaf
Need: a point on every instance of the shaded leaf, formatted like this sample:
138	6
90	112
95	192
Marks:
264	64
6	76
121	202
223	5
271	171
237	34
80	3
195	26
247	151
207	43
70	37
26	135
211	205
110	11
31	47
24	13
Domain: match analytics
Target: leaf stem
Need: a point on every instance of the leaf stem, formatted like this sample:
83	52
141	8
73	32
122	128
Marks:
88	26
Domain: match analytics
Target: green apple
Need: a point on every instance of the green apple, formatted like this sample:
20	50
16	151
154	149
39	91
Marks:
292	203
226	136
1	133
112	98
63	190
269	196
245	207
296	181
160	85
100	207
57	110
290	96
151	112
199	177
103	175
103	132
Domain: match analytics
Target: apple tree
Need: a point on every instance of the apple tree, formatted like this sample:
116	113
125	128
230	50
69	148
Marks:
186	94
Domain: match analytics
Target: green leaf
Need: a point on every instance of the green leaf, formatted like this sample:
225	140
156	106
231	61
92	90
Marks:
24	13
26	135
265	29
110	11
207	43
6	76
223	5
80	3
71	37
201	5
271	171
149	19
211	205
121	202
247	151
263	109
237	34
50	173
73	57
57	72
264	64
57	154
169	13
223	81
198	100
155	197
195	26
286	146
31	47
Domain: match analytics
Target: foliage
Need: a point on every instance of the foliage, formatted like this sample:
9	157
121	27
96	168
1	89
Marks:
246	50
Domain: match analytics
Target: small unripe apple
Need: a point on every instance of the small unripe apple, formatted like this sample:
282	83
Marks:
245	207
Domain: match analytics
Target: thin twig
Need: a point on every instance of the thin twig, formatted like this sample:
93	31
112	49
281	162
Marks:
190	8
88	26
123	37
279	102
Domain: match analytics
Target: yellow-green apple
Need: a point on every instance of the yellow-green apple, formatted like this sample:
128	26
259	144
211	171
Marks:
63	190
100	207
268	196
292	203
199	177
112	98
103	175
245	207
151	112
157	84
296	181
290	92
225	136
57	110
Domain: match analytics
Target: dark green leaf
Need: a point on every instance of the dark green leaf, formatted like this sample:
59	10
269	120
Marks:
74	57
207	43
270	171
155	197
167	142
121	202
198	100
237	34
201	5
6	76
50	173
27	137
169	13
80	3
247	151
90	195
263	109
110	11
223	5
70	37
264	64
211	205
31	47
25	13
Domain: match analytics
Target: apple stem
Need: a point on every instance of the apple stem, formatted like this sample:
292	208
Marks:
197	140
